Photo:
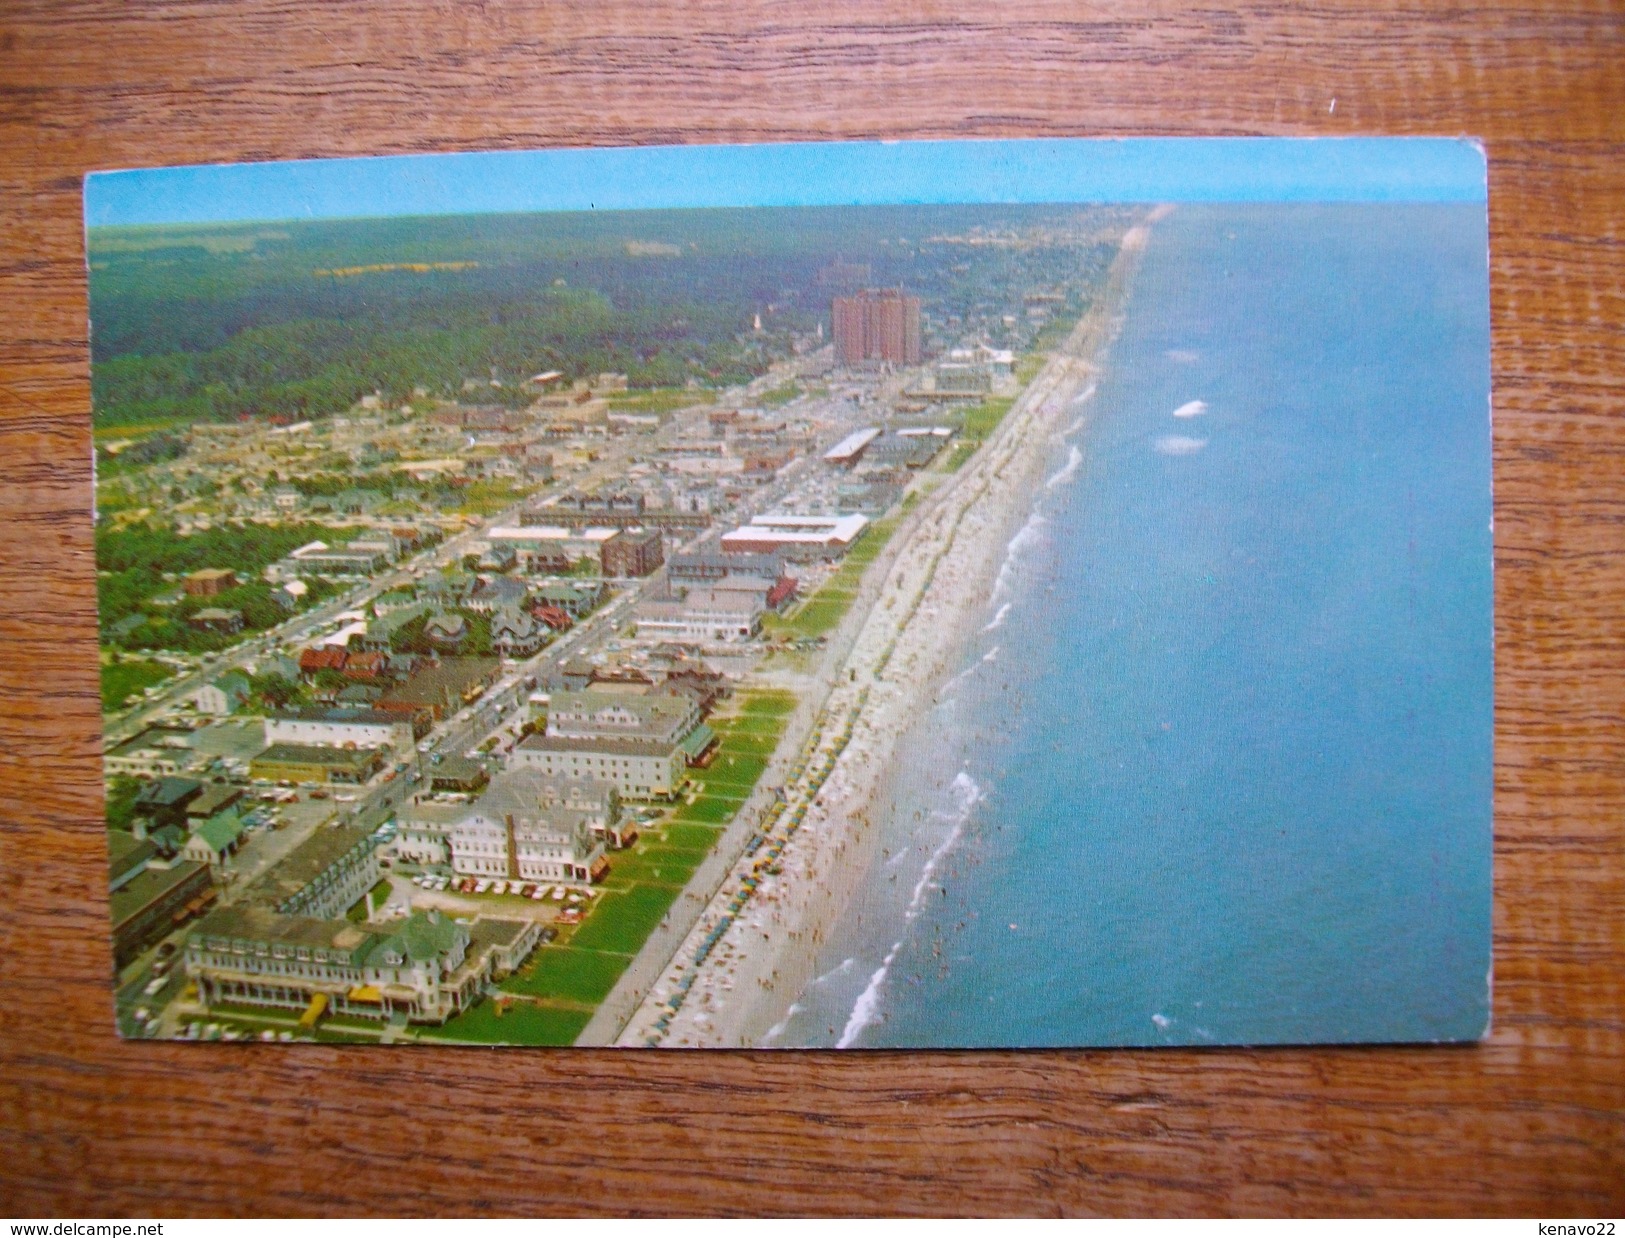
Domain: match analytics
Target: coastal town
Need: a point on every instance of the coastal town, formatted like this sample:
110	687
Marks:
501	715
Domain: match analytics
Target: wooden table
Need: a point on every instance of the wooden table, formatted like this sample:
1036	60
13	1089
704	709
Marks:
1529	1122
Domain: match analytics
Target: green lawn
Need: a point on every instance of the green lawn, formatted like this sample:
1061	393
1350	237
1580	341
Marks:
681	835
659	399
822	615
749	724
771	702
780	395
620	922
707	810
752	742
732	768
654	863
569	974
525	1023
124	679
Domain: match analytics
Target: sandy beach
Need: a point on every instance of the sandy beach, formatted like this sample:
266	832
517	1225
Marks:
753	949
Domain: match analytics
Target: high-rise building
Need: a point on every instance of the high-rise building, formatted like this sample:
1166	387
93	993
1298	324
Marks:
877	325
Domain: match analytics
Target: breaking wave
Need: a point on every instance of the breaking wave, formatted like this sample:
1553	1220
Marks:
1069	470
866	1009
1028	535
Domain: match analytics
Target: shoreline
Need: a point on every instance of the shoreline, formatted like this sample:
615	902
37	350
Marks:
753	950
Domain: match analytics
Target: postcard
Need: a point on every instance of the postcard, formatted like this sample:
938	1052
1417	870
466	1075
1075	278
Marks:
860	595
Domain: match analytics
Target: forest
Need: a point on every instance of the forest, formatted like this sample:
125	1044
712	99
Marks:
301	319
142	562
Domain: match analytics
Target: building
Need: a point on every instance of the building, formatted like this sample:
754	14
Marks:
781	594
516	634
153	902
877	325
215	842
799	538
632	553
643	769
576	598
448	588
706	614
498	592
344	727
964	372
280	665
322	658
324	876
127	858
910	448
498	558
163	802
552	542
525	827
216	797
225	695
708	567
846	453
210	581
458	774
592	713
442	687
640	743
551	617
309	763
216	619
426	967
446	630
157	752
360	558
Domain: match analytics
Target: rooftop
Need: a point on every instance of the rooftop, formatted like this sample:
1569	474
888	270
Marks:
309	860
317	754
320	713
619	746
149	885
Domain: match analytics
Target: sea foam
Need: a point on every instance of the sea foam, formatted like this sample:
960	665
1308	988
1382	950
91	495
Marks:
968	792
1179	445
1069	470
1028	535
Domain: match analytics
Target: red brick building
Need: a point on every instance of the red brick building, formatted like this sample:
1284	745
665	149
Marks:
877	325
632	554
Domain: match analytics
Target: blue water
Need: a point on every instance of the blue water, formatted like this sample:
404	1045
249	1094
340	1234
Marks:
1221	772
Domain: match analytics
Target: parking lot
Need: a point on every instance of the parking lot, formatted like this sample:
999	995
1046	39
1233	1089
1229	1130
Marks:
545	902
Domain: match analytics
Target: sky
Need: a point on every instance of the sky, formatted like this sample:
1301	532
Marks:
800	174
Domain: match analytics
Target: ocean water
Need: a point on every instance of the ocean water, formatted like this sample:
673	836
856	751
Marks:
1217	768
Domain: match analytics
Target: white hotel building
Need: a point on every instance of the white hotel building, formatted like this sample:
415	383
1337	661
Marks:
526	827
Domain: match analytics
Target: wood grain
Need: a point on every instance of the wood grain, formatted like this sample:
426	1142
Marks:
1530	1122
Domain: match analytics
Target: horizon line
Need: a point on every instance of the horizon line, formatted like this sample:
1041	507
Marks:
952	172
